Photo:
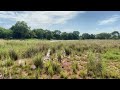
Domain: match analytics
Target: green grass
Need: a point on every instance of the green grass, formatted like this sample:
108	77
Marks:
82	59
112	54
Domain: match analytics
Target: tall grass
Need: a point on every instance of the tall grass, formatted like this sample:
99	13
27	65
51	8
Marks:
89	58
52	67
38	62
95	65
13	55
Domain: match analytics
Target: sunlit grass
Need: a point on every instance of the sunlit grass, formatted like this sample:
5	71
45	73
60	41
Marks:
86	59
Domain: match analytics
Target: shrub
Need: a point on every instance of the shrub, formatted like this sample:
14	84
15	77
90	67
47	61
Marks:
13	55
56	67
59	46
94	66
67	51
78	49
38	62
59	57
53	50
3	55
52	67
30	52
7	63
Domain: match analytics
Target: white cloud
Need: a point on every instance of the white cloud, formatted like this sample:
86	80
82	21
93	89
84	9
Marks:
110	20
36	19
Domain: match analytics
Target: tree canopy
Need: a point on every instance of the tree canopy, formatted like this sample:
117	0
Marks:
22	31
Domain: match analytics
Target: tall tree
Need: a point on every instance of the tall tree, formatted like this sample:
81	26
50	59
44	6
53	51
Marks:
103	36
76	35
56	34
20	30
64	36
85	36
48	34
5	33
115	35
70	36
92	36
40	33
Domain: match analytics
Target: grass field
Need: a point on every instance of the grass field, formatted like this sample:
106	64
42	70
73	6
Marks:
44	59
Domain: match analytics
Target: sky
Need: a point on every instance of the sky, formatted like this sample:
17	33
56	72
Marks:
92	22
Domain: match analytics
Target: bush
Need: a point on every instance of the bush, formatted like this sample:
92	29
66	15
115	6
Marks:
30	52
7	63
52	67
94	66
52	50
59	57
38	62
4	55
67	51
13	55
56	67
59	46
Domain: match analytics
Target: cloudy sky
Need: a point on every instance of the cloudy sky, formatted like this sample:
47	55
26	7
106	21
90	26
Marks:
83	21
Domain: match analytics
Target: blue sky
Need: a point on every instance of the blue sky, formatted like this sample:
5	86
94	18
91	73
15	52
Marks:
68	21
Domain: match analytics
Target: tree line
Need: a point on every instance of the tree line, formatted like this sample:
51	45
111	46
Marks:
22	31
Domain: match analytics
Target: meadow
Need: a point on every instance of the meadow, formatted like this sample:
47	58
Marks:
59	59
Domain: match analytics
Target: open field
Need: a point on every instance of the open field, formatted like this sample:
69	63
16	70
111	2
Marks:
64	59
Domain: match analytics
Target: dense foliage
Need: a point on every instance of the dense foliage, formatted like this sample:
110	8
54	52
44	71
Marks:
22	31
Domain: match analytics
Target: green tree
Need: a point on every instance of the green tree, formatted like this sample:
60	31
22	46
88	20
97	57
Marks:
48	34
20	30
76	35
56	34
103	36
70	36
64	36
5	33
85	36
92	36
40	33
31	34
115	35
